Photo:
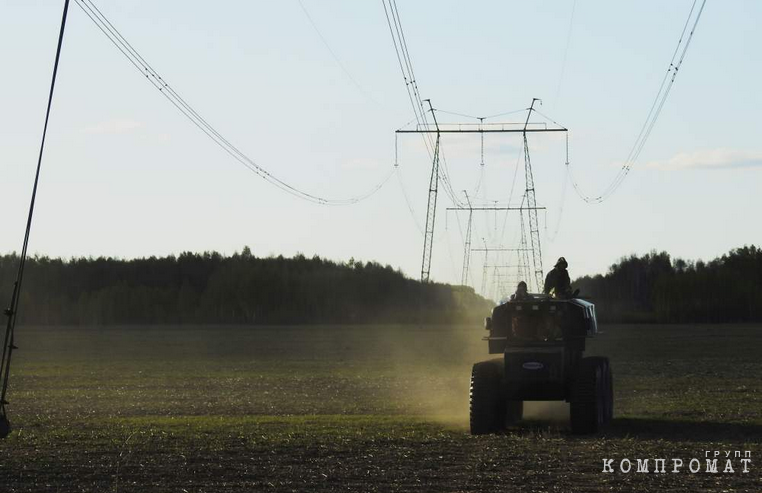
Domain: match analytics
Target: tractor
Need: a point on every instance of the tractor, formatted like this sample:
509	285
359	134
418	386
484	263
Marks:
542	340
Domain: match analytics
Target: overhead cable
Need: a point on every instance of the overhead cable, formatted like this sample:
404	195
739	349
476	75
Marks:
404	59
653	113
140	63
566	54
334	55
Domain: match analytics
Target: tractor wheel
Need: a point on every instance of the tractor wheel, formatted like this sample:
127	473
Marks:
5	426
514	411
589	396
487	401
609	393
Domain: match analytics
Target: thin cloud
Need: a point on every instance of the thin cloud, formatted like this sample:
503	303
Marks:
720	158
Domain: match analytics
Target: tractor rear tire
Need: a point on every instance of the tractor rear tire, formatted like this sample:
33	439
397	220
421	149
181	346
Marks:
5	426
590	396
487	399
609	416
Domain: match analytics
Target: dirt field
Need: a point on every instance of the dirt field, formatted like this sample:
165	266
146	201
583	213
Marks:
160	409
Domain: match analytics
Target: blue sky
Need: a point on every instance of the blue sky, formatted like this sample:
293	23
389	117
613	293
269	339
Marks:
126	175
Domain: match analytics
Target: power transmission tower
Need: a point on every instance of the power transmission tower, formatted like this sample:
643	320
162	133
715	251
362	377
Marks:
468	249
496	208
483	291
481	128
431	209
507	273
486	266
502	278
534	229
523	255
498	249
467	246
499	287
495	290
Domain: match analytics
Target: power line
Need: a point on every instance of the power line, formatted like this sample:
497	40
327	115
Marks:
464	115
552	237
333	53
510	195
653	113
140	63
457	114
403	57
445	176
566	54
433	147
440	170
504	114
407	201
405	61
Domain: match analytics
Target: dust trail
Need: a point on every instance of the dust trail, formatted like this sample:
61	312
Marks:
430	372
546	410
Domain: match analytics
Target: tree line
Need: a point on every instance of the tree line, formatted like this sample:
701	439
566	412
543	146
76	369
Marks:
656	288
205	288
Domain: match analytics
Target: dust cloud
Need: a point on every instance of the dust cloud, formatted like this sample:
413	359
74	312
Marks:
430	370
546	411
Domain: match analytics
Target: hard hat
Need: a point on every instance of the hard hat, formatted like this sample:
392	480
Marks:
562	263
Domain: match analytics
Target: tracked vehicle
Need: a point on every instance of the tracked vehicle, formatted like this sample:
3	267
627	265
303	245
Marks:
542	342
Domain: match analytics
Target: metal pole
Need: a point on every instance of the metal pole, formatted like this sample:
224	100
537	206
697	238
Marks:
12	311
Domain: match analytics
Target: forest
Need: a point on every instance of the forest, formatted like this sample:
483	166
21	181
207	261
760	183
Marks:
654	288
205	288
210	288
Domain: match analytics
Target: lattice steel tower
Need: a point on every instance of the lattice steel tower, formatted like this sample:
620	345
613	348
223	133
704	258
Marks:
534	228
431	209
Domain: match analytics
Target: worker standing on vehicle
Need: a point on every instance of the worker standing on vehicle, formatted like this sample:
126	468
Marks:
557	282
521	293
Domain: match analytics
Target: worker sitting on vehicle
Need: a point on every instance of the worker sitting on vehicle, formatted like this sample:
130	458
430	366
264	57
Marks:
557	282
521	292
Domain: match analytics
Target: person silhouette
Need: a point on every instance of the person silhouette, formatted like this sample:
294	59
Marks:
521	293
557	282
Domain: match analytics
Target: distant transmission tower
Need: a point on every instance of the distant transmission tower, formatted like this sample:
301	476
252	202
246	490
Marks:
517	268
483	291
524	254
523	250
467	246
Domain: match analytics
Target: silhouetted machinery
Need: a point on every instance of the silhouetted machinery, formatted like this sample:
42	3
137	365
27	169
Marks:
542	340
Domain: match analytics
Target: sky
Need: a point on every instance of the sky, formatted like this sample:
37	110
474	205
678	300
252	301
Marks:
317	103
